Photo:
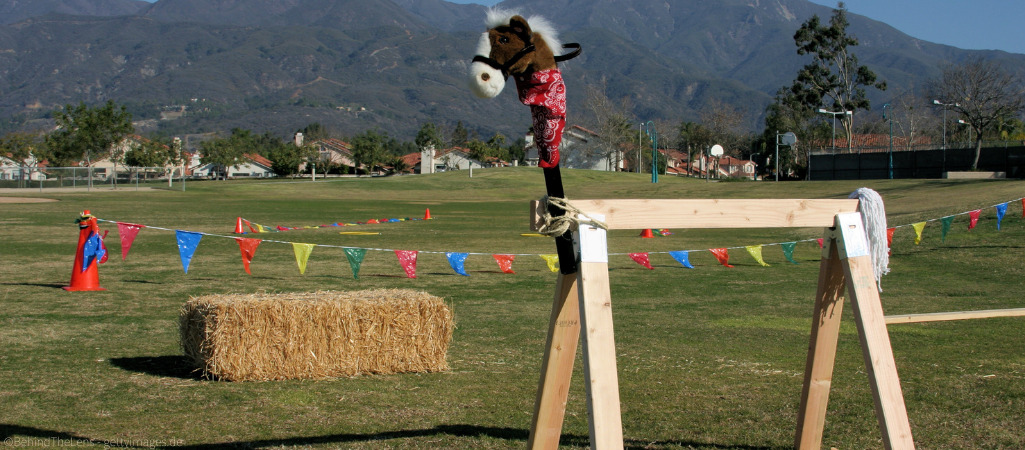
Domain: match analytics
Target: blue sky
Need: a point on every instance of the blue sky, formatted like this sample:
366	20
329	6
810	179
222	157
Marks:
968	24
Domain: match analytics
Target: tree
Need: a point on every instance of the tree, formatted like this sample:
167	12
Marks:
287	158
614	125
368	150
428	137
910	116
834	75
460	136
984	93
26	149
86	134
227	152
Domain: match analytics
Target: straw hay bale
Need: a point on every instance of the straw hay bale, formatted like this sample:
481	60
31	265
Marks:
255	337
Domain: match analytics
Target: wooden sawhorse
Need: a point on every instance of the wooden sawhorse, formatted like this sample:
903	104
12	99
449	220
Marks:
582	310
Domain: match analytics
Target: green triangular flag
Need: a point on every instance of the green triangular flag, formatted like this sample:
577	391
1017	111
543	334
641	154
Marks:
355	257
946	226
788	250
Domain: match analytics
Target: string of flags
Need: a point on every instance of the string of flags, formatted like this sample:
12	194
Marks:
241	225
188	242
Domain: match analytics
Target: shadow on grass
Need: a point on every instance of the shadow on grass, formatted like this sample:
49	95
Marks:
31	436
46	285
174	366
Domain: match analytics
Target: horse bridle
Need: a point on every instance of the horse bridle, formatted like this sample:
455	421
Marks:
526	50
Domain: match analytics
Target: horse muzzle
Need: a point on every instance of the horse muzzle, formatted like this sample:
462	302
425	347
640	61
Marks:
486	81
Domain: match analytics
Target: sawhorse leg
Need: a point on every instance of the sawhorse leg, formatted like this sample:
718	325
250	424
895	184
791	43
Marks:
590	320
847	264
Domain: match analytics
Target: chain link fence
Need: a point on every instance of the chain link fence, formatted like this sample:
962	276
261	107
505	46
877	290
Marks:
87	178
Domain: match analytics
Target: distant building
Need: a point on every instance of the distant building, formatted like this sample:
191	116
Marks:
580	149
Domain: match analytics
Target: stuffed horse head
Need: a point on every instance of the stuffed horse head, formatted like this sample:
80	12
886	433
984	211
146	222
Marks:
523	48
512	45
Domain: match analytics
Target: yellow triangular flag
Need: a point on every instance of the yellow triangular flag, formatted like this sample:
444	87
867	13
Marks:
302	254
918	231
551	260
756	253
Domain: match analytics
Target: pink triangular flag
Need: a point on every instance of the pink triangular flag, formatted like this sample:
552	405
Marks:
127	231
408	260
505	262
973	218
642	259
821	242
723	255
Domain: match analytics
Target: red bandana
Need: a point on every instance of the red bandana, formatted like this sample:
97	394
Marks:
545	93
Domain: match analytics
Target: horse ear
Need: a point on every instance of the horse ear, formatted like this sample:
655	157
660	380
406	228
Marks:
519	25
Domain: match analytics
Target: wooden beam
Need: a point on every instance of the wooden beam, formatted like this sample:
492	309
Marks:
711	213
956	315
557	366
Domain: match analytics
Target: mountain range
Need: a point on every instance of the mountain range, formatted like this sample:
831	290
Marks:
391	65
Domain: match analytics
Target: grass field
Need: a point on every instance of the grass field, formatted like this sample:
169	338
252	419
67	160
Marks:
708	358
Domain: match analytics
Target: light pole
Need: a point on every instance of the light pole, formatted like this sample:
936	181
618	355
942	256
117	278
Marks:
945	106
639	128
834	114
649	128
889	118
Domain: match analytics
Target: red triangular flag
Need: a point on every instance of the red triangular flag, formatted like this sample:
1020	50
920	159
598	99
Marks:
128	231
1023	208
505	262
973	218
821	242
889	240
248	248
408	260
642	259
722	255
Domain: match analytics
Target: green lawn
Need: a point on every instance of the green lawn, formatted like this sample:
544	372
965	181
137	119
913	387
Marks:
708	358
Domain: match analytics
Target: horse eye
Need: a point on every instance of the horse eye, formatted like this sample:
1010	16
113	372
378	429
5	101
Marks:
503	40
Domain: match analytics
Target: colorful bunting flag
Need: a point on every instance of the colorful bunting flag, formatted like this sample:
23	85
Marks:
682	257
1001	210
302	254
756	253
788	250
505	262
187	243
355	257
248	248
408	260
889	240
723	255
642	259
821	242
93	250
127	232
973	218
946	221
552	261
457	261
918	231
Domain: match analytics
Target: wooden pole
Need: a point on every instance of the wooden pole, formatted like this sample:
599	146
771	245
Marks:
957	315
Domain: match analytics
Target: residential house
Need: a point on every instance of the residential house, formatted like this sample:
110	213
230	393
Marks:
253	166
334	152
724	167
455	158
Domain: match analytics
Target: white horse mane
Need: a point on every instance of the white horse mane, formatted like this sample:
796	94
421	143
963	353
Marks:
539	25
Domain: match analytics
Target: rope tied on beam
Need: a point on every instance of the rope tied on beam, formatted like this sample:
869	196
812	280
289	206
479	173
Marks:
554	226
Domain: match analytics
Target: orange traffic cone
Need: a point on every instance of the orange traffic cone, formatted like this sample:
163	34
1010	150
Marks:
238	227
87	278
647	233
427	215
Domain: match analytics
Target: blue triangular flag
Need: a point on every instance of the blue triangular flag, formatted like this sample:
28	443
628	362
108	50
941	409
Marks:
682	257
187	243
456	260
1001	210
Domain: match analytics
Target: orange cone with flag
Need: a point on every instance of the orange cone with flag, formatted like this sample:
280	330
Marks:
647	233
238	227
427	215
85	275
